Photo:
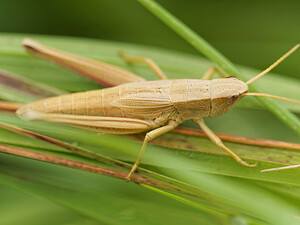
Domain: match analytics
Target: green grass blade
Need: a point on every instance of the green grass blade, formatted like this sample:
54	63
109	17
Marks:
190	36
13	95
29	209
185	201
103	199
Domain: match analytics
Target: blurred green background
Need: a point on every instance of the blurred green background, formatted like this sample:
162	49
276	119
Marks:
252	33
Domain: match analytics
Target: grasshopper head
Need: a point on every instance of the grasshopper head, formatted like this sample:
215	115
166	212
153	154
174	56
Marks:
225	93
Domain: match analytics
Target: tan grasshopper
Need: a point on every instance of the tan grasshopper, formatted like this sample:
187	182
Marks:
136	105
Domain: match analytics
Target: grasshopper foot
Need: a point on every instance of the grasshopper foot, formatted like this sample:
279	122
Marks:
243	163
128	177
133	169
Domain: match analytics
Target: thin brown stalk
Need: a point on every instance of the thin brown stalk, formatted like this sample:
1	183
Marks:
88	154
167	182
9	106
239	139
80	165
75	149
28	86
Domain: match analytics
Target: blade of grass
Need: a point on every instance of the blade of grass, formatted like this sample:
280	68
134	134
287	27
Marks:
178	165
239	139
79	165
25	209
202	150
89	166
238	192
14	95
170	159
185	201
106	200
206	49
157	178
28	86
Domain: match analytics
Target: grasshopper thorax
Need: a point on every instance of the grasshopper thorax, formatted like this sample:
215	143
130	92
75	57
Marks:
225	92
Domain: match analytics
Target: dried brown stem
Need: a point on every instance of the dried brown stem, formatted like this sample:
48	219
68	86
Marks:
96	156
79	165
75	149
239	139
27	86
9	106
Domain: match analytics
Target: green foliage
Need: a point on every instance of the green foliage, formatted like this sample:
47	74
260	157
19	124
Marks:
222	191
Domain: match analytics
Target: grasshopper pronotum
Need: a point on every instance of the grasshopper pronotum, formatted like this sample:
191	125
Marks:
136	105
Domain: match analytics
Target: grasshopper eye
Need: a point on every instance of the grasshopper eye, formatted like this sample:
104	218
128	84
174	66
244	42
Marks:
231	98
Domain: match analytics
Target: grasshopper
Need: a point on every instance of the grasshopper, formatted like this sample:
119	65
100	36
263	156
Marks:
134	105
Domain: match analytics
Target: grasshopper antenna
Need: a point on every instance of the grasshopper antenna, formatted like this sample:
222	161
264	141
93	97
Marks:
280	168
273	65
268	70
273	96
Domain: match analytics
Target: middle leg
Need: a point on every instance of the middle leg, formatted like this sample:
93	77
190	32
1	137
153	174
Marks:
152	65
149	136
211	71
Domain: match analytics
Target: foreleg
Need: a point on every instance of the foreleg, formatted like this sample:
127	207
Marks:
215	139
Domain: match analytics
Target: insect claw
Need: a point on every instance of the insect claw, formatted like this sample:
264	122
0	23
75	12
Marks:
133	169
247	164
127	178
255	164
